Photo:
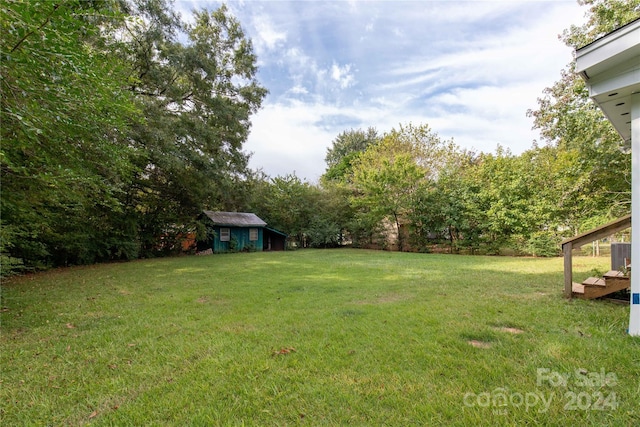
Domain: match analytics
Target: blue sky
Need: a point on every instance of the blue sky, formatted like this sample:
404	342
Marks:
470	70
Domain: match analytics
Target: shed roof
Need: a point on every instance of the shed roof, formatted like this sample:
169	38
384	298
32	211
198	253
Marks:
235	219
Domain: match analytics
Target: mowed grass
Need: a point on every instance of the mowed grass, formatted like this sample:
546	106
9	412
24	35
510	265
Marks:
315	337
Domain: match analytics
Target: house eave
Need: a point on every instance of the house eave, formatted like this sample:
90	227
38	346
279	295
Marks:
611	68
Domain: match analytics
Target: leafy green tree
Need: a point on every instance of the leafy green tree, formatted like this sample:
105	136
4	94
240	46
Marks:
351	141
197	99
311	215
507	194
491	202
64	113
387	184
336	210
286	203
568	119
443	209
387	175
344	151
116	132
323	233
514	197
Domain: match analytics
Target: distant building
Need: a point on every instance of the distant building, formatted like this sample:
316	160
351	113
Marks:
238	232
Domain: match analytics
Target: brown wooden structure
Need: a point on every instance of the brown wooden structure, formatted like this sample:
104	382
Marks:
575	242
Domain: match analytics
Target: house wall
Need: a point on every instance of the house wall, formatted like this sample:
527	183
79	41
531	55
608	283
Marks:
241	236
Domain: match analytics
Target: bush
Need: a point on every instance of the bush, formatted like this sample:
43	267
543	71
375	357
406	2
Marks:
543	244
10	266
323	233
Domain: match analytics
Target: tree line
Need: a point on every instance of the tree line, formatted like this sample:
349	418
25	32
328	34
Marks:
121	123
430	194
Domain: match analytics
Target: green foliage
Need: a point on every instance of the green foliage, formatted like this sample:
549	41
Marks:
367	231
286	203
388	174
598	176
197	98
603	16
9	265
115	132
233	244
342	171
543	244
121	122
64	113
447	209
349	143
323	233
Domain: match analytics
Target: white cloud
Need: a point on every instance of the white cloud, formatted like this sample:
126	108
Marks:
285	138
342	75
299	90
268	38
470	70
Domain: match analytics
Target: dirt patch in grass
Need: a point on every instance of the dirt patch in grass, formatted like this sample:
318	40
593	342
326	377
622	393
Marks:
238	328
479	344
510	330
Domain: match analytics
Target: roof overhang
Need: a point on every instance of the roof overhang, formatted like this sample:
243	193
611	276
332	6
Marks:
273	230
611	68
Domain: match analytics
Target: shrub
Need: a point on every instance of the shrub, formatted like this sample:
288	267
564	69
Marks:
543	244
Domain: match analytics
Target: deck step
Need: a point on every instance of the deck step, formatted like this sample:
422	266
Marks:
594	281
577	289
615	274
594	287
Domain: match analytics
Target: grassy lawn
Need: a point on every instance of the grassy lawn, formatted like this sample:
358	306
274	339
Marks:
315	337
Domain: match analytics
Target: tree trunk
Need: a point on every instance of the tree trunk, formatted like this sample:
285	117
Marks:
400	237
450	239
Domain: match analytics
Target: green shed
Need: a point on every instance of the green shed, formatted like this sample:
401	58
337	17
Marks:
233	231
